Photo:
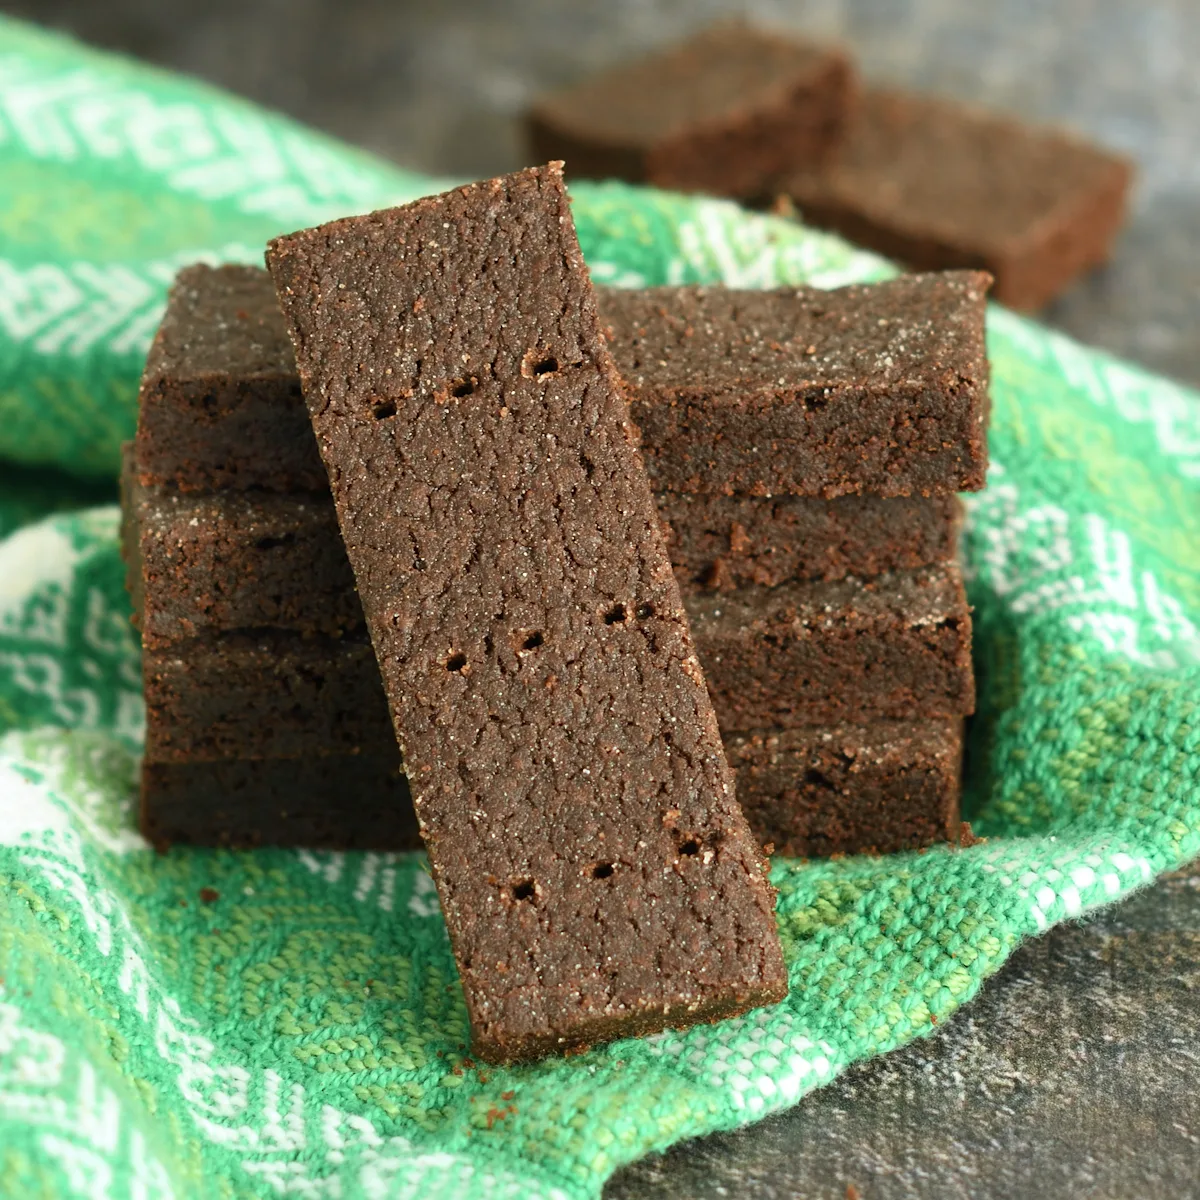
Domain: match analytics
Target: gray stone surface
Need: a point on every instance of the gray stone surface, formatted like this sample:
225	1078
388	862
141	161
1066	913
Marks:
1075	1072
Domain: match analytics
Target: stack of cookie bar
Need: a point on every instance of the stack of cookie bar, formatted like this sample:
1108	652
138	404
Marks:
804	447
265	720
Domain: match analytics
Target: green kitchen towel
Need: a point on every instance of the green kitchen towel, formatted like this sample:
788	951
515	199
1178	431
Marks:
210	1024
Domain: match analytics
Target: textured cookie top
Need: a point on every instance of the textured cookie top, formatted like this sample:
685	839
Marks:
966	174
595	871
726	70
220	321
915	330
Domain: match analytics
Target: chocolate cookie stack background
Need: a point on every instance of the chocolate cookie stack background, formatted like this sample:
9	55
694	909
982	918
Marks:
933	183
781	431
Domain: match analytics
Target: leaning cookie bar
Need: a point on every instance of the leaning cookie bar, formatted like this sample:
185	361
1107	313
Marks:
872	389
597	877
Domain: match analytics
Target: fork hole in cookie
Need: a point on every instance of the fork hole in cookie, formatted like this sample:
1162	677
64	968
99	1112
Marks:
537	364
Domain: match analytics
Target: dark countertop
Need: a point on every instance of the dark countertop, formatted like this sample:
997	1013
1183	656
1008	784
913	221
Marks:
1075	1071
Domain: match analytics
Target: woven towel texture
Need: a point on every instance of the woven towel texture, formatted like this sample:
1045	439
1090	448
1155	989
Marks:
207	1024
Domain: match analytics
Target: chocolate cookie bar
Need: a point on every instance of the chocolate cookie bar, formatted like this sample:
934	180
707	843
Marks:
263	694
879	388
230	561
851	789
797	654
227	561
220	404
936	184
854	650
897	409
328	802
725	112
807	792
727	542
597	877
